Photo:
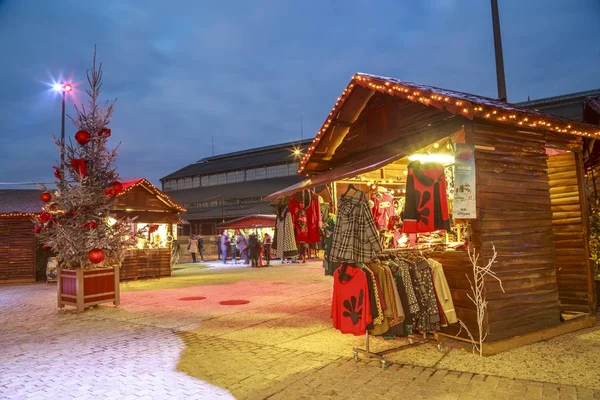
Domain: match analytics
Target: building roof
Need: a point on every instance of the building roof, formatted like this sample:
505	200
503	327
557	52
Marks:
246	189
234	211
571	98
467	105
20	201
268	155
28	200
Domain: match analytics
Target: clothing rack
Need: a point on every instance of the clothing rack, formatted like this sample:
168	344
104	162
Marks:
411	342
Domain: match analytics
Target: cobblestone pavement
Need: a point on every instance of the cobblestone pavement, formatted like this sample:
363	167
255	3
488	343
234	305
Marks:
171	338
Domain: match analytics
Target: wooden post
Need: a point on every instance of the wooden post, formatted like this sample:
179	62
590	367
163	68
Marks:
117	286
60	287
79	284
585	221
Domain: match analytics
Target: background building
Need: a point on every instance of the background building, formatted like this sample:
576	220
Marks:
567	105
228	186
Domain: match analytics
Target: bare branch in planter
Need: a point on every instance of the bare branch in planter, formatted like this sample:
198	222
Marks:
478	296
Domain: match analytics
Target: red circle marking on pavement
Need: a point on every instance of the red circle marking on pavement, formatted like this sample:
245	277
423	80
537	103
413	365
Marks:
193	298
233	302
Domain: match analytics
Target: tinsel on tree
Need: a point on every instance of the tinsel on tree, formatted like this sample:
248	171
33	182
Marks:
75	223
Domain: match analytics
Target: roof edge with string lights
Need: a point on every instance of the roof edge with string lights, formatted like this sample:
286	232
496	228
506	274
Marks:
467	105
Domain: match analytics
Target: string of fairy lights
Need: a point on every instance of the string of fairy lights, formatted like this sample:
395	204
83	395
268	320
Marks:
470	109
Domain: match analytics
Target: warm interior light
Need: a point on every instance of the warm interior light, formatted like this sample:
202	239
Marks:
439	158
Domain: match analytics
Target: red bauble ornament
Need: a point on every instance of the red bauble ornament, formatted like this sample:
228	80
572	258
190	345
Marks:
46	247
104	132
96	255
57	173
37	229
45	217
45	197
82	137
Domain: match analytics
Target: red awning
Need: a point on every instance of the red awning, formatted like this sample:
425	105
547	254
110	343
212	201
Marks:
250	221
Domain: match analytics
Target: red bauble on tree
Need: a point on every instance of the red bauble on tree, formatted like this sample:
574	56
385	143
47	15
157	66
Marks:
46	247
82	137
104	132
45	197
96	255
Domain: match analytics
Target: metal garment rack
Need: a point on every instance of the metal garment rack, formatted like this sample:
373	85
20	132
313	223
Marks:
411	342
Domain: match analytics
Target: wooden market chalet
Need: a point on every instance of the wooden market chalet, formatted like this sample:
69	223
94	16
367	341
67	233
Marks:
531	201
23	260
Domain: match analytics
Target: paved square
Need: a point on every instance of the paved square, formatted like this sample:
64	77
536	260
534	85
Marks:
172	338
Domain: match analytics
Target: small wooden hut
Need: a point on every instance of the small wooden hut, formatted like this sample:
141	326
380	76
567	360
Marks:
21	257
156	211
17	240
530	195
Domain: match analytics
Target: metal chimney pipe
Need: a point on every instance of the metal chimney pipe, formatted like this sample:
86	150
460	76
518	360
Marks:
498	51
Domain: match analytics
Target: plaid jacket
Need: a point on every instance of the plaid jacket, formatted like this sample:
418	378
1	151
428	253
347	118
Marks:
355	238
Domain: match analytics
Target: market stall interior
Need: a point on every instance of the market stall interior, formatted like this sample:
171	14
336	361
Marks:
149	255
446	171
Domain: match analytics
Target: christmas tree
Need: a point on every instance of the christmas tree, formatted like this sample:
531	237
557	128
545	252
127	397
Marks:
75	223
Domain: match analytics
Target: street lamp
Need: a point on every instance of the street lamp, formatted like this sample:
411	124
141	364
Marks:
64	88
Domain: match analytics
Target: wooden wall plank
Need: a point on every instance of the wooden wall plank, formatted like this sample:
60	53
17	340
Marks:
515	214
17	249
569	241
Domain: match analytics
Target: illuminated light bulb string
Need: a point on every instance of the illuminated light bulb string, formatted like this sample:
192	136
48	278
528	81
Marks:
463	107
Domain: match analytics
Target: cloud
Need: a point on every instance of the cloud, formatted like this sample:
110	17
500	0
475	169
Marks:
243	72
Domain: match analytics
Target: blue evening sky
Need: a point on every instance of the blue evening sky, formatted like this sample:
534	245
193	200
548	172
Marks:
244	71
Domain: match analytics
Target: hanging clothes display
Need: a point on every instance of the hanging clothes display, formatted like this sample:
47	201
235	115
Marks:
284	242
355	238
443	291
426	203
383	209
328	228
428	318
351	304
298	204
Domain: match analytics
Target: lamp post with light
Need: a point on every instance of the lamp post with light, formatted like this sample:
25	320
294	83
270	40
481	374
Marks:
64	89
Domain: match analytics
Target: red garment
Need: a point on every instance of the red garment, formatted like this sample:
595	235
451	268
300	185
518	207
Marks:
299	219
350	305
383	209
307	219
426	207
314	220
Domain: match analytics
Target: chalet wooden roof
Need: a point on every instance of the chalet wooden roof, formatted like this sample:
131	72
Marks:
132	184
362	86
20	202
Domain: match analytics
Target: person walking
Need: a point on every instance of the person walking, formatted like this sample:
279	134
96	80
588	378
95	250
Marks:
242	247
253	248
193	247
267	248
224	245
200	247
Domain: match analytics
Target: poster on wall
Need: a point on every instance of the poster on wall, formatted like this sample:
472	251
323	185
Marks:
465	202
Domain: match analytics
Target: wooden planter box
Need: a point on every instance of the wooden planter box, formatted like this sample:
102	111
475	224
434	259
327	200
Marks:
85	288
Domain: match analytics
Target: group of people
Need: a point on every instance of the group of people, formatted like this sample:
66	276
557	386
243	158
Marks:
196	246
249	249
